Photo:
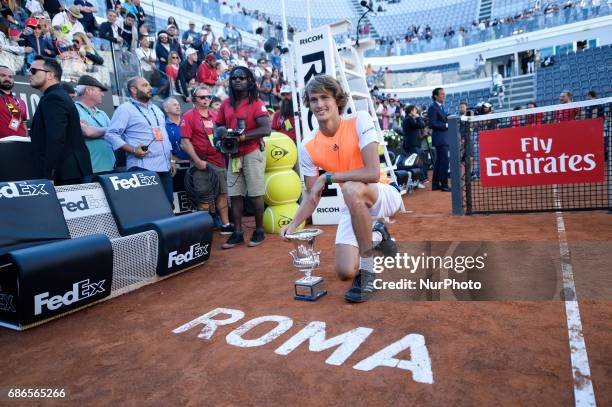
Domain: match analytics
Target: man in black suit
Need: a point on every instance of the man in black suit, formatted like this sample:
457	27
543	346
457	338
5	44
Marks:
109	30
438	123
60	153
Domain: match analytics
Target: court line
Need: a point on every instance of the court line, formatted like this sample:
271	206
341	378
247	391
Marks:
584	394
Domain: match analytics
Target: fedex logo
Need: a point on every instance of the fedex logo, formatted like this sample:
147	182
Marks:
80	291
21	189
135	181
194	252
86	202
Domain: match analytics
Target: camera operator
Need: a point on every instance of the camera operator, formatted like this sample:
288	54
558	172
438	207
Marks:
413	128
245	114
196	140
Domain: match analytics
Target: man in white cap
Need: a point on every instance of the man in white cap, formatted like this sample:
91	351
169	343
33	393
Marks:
187	73
283	119
66	24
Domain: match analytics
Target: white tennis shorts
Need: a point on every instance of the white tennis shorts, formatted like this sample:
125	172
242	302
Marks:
388	203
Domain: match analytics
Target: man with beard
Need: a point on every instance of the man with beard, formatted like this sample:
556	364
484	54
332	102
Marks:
137	127
13	115
58	145
244	110
283	120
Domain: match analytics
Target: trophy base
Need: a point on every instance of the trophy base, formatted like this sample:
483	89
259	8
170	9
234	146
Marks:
309	289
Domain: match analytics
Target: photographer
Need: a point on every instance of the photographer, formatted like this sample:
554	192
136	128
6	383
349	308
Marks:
245	112
196	134
413	127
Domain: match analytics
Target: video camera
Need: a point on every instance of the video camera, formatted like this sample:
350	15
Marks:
228	141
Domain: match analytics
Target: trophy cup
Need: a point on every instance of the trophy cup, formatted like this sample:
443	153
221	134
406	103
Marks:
306	259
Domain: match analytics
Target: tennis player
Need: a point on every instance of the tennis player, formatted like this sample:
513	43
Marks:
347	149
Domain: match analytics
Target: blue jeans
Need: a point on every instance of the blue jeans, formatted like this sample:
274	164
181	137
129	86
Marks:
166	180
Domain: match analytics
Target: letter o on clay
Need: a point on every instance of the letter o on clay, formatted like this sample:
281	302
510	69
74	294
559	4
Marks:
235	337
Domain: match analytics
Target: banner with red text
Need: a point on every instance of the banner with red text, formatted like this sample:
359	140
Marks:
569	152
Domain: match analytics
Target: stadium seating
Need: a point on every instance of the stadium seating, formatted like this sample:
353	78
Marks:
472	97
579	73
505	8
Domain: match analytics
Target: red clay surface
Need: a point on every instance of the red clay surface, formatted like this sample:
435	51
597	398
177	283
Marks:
123	351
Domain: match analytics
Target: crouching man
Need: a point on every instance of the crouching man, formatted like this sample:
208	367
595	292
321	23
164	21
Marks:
347	149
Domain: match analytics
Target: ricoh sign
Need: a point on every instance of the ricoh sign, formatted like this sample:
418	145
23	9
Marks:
558	153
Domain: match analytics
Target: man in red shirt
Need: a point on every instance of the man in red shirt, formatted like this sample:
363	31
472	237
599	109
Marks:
283	120
13	114
207	73
245	175
196	140
566	115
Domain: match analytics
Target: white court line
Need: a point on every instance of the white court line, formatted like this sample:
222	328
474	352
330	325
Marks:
581	372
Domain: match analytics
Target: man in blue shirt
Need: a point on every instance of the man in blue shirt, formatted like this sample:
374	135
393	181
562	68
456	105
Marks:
94	123
172	108
138	128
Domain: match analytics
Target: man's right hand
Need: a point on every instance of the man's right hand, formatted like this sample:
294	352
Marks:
139	152
200	165
287	230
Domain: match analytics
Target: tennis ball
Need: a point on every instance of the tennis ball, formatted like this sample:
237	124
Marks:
281	187
275	217
281	152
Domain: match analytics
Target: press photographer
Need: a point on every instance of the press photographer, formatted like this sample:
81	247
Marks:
241	123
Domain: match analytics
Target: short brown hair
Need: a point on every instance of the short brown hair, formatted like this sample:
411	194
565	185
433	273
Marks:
326	84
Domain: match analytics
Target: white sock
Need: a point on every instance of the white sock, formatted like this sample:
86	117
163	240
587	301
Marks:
366	263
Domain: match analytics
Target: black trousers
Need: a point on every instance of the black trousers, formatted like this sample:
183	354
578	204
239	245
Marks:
440	172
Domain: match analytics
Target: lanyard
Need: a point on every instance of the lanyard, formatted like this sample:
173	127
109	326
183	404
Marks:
17	105
145	116
92	116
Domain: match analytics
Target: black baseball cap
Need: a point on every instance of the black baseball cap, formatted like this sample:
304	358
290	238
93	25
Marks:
87	80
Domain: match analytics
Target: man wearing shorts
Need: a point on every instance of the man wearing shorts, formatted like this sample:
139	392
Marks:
347	149
196	140
245	174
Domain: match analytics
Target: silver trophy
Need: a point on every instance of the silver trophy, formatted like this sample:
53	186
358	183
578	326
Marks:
306	259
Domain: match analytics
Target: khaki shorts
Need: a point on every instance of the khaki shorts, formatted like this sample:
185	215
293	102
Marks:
250	179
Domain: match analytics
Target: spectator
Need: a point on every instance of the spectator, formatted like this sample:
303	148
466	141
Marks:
480	65
163	49
69	89
34	7
202	46
94	122
173	36
190	37
498	88
136	128
197	133
140	13
265	85
594	111
172	108
35	43
207	72
86	51
172	70
58	145
283	119
110	30
260	70
172	21
13	118
463	108
438	122
567	114
243	109
67	24
129	32
88	21
187	73
147	58
52	7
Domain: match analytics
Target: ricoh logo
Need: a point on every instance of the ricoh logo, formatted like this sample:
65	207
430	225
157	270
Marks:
135	181
194	252
80	291
328	210
22	189
308	40
85	203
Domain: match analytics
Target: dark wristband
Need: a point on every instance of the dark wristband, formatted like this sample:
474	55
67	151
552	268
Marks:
328	178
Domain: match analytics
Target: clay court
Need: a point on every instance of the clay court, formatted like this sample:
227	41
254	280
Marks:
123	351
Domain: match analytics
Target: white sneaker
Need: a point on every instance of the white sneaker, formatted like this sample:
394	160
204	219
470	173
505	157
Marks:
420	186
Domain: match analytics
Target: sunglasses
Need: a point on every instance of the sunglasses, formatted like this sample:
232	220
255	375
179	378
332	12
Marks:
203	97
175	58
239	78
34	71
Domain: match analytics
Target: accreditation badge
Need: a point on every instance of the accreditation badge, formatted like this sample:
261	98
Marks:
157	133
14	124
